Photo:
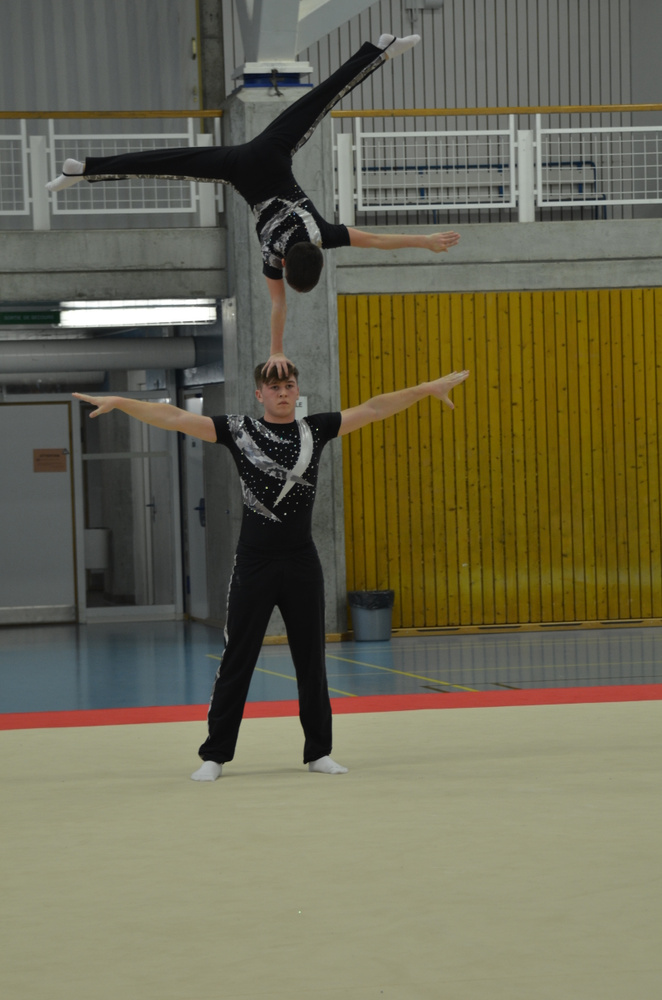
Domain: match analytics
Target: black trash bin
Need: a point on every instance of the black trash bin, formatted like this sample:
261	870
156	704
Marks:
371	614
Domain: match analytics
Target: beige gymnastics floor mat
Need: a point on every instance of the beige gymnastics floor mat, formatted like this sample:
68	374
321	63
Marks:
483	854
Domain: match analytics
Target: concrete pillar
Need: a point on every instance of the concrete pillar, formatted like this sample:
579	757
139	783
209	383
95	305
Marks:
210	55
346	182
41	212
526	184
311	336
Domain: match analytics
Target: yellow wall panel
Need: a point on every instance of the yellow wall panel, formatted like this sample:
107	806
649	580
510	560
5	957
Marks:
516	553
440	361
538	499
480	513
574	582
652	337
641	452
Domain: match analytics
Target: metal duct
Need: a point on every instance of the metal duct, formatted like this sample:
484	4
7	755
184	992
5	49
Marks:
45	379
26	356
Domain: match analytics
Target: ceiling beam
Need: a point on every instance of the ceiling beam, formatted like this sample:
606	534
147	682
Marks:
273	33
318	18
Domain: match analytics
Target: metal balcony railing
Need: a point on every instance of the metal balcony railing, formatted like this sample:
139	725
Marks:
510	167
33	148
426	171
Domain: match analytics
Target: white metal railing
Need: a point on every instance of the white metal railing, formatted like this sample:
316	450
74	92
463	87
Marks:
619	165
14	192
511	168
396	170
28	160
497	168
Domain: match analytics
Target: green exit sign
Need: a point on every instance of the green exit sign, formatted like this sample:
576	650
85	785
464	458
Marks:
30	317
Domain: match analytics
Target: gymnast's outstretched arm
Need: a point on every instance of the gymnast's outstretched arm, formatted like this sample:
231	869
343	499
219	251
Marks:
436	242
389	403
163	415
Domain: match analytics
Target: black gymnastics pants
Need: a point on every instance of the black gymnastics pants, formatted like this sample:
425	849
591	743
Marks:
292	582
258	169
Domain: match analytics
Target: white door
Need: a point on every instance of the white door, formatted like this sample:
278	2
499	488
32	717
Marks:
38	578
130	482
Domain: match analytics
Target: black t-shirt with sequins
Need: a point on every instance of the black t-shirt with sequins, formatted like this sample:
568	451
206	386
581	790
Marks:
278	466
288	218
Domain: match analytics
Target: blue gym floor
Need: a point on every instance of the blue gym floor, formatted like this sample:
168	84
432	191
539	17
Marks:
53	668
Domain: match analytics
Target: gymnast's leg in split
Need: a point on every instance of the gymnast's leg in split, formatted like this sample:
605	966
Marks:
253	167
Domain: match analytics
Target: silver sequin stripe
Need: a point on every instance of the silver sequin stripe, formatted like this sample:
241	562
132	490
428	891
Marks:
280	219
252	502
303	461
269	434
258	458
93	178
225	634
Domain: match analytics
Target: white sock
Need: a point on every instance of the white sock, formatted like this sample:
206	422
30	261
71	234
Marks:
396	46
209	770
325	765
72	173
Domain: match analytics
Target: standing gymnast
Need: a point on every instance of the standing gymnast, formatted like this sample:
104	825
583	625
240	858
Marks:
276	562
289	227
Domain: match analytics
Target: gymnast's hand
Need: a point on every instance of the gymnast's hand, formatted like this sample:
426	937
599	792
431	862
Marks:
104	404
442	386
441	242
280	363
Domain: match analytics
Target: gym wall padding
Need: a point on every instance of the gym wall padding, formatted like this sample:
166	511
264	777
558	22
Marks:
537	500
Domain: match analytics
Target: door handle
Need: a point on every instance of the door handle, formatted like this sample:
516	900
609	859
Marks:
202	513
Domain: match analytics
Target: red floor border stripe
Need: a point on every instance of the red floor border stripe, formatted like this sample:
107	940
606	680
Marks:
341	706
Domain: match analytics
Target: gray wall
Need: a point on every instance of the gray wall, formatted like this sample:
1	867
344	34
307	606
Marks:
483	53
646	32
126	55
99	55
103	55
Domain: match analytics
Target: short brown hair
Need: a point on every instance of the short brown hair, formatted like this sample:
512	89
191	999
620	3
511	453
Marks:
303	266
273	376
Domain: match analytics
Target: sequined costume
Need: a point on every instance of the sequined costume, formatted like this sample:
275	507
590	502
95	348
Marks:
260	170
276	565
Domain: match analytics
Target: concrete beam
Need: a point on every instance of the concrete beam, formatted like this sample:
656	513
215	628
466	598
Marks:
513	256
268	29
113	264
273	33
318	18
211	54
181	263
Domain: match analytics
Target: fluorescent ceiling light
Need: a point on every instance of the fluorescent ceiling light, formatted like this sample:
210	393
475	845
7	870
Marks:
139	312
